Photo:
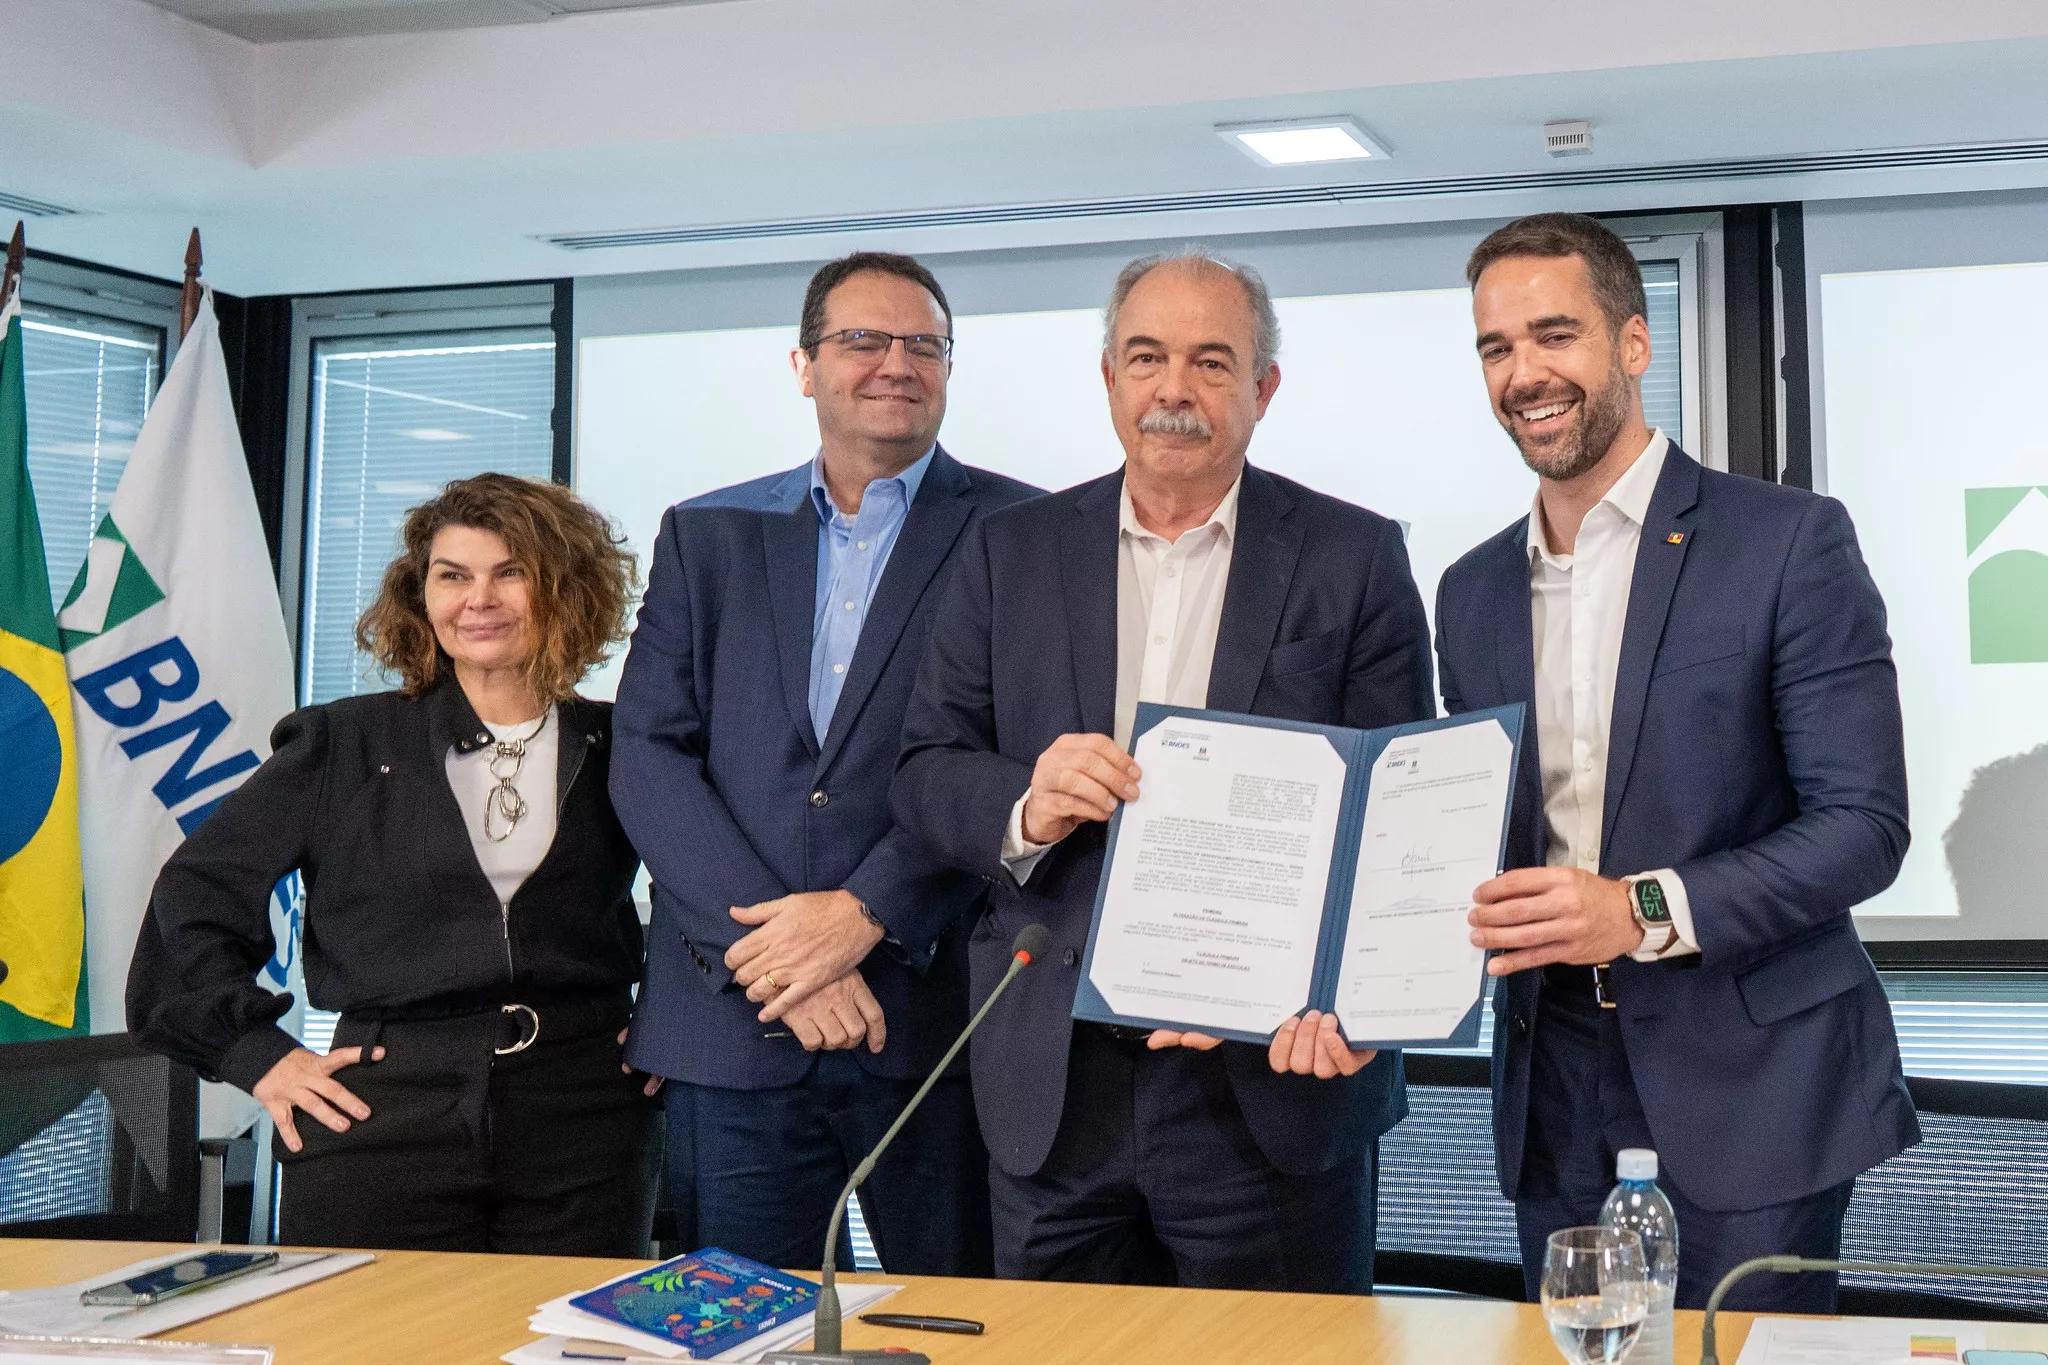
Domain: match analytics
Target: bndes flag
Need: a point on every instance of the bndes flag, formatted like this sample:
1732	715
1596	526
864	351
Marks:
175	644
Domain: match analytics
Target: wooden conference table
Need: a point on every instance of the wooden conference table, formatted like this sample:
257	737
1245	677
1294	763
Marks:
450	1309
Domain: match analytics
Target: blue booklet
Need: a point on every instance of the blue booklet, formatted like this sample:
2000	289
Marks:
706	1302
1271	866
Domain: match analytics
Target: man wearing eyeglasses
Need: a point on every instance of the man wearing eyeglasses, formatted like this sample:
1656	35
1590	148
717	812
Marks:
807	963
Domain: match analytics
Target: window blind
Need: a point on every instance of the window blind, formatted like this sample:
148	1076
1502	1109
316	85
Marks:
1664	381
393	419
89	382
1963	1026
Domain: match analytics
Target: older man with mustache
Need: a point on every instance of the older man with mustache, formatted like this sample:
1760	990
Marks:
1718	777
1186	577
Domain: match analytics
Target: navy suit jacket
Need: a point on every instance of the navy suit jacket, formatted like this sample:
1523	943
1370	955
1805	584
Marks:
1756	748
720	781
1321	622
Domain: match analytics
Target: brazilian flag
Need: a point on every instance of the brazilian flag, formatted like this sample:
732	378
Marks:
42	887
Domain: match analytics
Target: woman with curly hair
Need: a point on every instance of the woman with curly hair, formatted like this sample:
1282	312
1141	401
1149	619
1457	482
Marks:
469	909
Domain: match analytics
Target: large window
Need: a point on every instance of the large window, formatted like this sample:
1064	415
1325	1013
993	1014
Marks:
400	403
401	394
93	352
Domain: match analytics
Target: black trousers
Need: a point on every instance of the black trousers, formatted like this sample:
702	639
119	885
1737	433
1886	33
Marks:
1583	1110
762	1169
1154	1178
551	1150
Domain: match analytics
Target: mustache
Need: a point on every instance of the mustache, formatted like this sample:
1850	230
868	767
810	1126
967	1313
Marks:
1179	422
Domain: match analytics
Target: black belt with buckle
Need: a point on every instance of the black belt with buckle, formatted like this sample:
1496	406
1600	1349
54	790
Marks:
518	1024
1594	985
525	1021
1124	1035
1603	985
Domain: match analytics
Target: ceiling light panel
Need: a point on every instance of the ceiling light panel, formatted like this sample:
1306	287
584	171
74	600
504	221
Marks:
1303	142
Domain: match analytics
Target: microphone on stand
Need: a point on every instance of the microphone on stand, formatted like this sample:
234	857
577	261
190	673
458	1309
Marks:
1029	945
1795	1265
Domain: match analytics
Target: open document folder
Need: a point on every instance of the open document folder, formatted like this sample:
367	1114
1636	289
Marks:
1270	867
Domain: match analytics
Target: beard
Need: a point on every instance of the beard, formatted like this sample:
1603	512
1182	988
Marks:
1178	422
1578	448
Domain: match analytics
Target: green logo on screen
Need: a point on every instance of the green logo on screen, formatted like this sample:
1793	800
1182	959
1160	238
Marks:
2008	534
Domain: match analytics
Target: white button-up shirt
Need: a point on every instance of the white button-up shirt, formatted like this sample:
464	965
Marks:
1169	606
1578	605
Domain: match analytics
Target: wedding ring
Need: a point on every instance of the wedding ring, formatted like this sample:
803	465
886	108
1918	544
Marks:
769	977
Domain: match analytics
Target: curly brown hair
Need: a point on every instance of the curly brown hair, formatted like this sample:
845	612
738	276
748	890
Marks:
580	581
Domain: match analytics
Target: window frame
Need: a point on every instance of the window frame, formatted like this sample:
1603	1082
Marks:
1697	242
98	291
367	317
101	292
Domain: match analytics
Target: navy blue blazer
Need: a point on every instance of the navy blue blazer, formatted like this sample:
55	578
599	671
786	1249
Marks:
1321	622
1756	748
720	781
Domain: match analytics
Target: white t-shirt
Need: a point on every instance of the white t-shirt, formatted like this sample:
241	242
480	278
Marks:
509	860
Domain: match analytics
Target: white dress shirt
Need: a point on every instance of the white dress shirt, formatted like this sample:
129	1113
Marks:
1169	605
1578	604
511	860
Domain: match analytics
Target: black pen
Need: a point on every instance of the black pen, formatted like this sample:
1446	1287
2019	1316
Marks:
966	1327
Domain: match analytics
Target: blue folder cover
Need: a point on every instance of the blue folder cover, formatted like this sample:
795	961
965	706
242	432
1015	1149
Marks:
706	1302
1359	749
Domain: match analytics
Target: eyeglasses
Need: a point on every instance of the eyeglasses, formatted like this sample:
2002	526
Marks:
868	344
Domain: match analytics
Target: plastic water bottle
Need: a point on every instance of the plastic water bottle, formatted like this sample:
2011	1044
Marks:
1637	1204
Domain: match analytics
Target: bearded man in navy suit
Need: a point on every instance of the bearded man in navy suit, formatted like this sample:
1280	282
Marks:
806	964
1718	778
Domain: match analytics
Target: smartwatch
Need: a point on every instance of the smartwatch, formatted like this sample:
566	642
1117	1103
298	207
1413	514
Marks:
1653	914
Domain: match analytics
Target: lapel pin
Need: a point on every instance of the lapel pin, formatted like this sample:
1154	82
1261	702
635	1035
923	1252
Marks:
1675	538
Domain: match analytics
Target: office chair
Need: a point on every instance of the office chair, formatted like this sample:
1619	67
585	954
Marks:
98	1139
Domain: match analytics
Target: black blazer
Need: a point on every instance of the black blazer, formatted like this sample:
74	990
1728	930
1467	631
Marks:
1321	622
399	915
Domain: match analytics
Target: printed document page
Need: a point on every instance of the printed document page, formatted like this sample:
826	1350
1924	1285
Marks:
1431	835
1214	901
1863	1341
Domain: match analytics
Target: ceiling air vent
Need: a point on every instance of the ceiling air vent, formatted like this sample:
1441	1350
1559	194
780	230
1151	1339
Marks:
1281	196
1568	137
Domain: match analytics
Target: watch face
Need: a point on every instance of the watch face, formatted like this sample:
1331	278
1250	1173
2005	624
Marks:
1650	903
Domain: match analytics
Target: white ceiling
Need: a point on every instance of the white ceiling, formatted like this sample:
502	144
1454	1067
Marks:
435	157
280	21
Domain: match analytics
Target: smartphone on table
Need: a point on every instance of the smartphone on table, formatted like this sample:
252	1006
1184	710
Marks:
179	1277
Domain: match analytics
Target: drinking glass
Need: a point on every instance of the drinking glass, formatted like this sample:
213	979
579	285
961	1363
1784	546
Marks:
1596	1294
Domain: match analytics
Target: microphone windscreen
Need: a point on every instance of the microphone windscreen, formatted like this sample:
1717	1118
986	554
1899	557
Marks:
1032	940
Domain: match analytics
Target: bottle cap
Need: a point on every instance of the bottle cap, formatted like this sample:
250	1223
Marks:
1635	1163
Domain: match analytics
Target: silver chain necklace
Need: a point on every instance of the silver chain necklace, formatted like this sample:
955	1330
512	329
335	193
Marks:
504	800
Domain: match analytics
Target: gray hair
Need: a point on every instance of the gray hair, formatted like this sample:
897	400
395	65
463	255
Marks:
1266	339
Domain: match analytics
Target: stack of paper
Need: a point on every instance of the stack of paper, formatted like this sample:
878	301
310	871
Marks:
571	1336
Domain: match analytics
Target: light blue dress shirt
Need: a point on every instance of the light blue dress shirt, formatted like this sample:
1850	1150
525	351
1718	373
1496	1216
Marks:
852	552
